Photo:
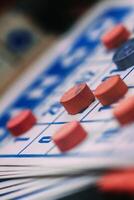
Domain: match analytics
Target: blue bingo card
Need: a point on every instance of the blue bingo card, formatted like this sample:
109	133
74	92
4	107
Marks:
78	57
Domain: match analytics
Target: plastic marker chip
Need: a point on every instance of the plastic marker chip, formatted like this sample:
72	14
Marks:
111	90
124	56
69	136
77	98
19	40
118	182
124	112
115	37
21	123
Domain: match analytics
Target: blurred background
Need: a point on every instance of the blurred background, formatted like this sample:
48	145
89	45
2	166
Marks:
29	27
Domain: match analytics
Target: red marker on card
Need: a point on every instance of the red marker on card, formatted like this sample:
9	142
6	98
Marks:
69	136
21	123
77	98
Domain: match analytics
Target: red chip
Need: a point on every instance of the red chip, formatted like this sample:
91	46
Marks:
21	123
77	98
111	90
69	136
124	112
118	182
115	37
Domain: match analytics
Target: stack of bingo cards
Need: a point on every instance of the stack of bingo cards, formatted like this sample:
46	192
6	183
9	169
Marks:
67	124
